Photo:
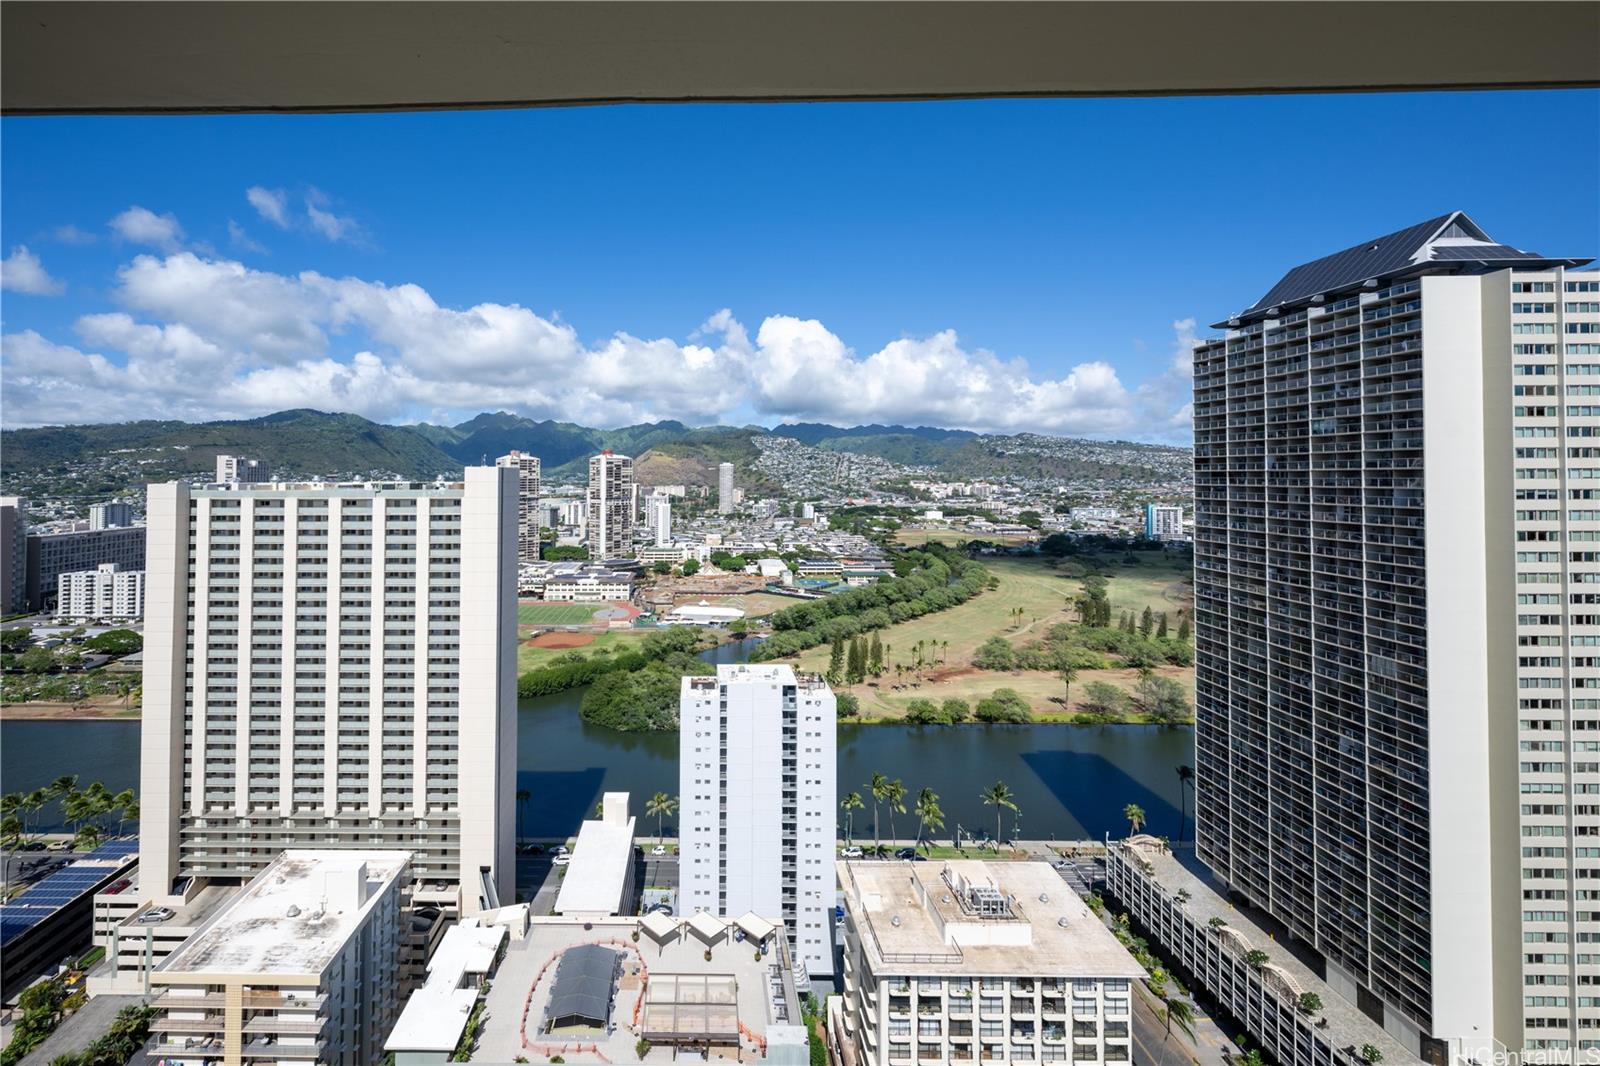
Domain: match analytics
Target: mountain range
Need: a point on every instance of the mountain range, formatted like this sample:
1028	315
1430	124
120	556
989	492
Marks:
304	441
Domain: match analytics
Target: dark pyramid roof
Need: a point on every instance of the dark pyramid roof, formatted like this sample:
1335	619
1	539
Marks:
1369	259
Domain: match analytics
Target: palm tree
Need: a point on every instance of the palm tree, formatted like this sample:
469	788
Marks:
1135	816
895	794
523	796
927	800
61	786
660	805
1176	1012
999	796
851	803
1068	674
1185	782
34	803
931	814
879	787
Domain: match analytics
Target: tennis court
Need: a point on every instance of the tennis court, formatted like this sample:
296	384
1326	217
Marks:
555	614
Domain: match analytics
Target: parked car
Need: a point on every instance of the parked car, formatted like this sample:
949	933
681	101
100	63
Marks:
562	860
1064	864
531	849
659	908
560	849
850	853
659	849
906	853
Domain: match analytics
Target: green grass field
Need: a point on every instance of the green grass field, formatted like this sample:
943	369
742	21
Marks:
952	537
555	614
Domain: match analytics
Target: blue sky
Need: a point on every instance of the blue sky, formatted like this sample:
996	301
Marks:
1001	265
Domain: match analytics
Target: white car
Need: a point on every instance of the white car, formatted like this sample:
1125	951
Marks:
560	849
659	849
562	860
850	853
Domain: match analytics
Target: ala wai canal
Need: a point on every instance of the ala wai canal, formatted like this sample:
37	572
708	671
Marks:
1071	782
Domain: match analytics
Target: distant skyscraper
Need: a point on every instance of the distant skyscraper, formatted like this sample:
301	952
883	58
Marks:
110	515
756	753
13	554
332	666
1162	521
527	467
658	517
610	506
1397	463
725	499
232	468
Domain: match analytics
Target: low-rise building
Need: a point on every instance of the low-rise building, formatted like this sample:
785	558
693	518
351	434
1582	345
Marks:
435	1017
599	877
703	613
1245	966
813	568
108	593
588	585
302	965
969	960
590	989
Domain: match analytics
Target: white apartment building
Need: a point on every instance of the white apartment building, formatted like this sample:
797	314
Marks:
110	515
970	960
610	511
302	965
331	665
756	765
588	585
107	593
527	468
231	468
1163	521
1397	531
658	517
725	500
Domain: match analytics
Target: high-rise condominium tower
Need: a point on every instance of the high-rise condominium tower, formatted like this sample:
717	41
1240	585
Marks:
527	468
725	488
332	666
240	468
610	506
658	516
756	783
1397	519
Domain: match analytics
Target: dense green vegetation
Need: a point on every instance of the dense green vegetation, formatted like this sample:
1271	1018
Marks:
89	811
128	1033
932	578
643	699
575	668
30	672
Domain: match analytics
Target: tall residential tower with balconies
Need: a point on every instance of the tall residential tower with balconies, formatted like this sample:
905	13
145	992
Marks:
331	666
527	468
756	747
610	512
1397	525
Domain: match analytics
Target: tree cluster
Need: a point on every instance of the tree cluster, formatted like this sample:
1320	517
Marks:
576	668
934	578
642	700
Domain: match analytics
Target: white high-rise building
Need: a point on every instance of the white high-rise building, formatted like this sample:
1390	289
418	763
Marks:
658	517
332	666
611	506
107	593
756	762
110	515
725	500
527	467
1397	528
231	468
1163	521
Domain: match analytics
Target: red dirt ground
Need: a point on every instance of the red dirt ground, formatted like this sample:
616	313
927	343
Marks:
561	640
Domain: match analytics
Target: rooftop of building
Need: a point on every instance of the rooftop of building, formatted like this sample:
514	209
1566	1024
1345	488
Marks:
601	858
361	488
293	918
435	1015
974	917
64	884
1449	242
667	989
1347	1025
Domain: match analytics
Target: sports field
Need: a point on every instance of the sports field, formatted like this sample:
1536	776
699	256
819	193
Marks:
555	614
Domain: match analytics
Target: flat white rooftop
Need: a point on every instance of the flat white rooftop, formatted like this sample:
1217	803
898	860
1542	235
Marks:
436	1014
598	872
292	918
979	918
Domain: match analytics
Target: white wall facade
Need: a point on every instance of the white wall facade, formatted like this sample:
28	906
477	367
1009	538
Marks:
757	823
331	666
108	593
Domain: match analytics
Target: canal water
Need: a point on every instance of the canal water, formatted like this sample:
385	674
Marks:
1070	782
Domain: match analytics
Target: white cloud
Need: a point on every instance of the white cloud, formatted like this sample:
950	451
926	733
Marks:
240	238
73	235
270	204
1183	345
213	338
140	225
21	271
324	221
